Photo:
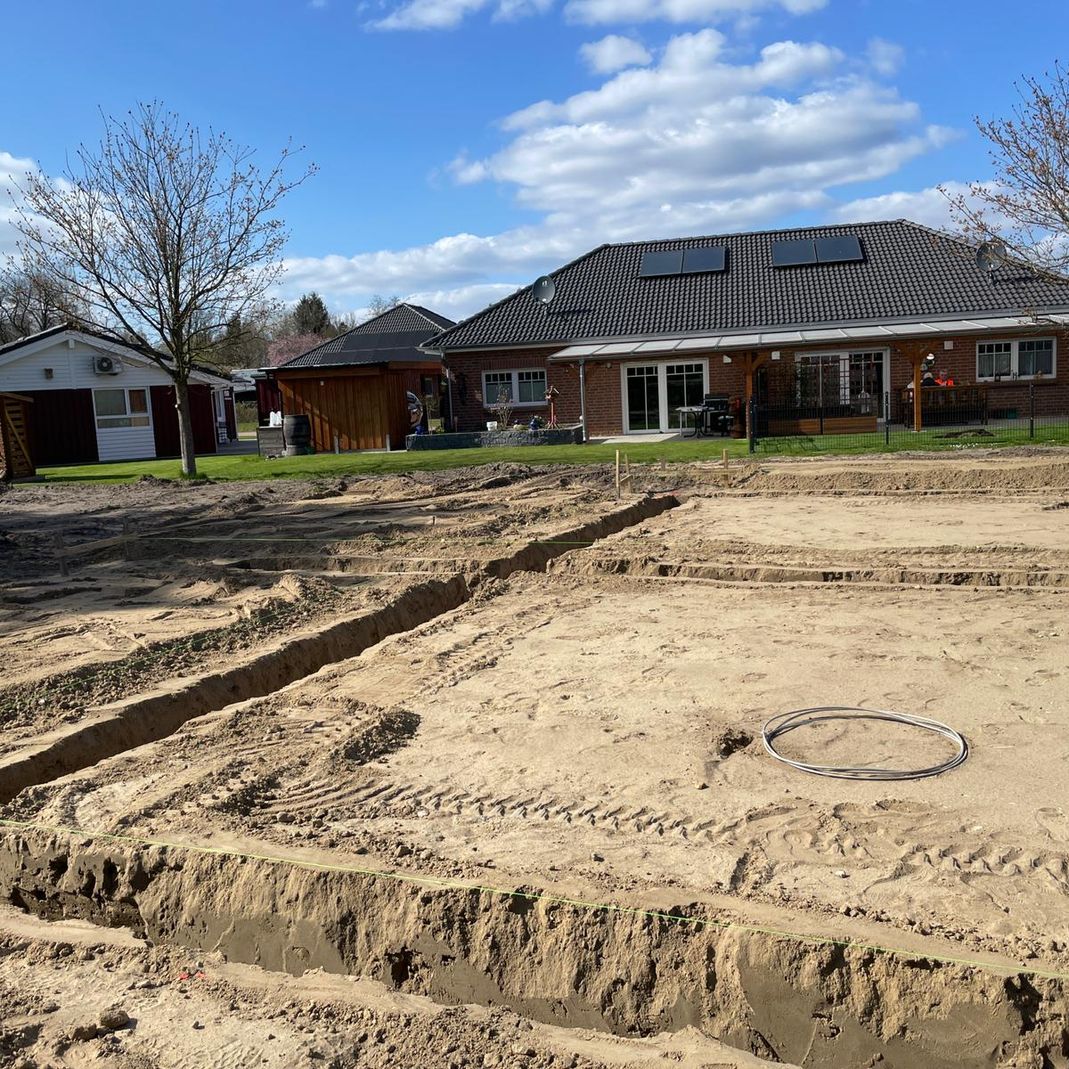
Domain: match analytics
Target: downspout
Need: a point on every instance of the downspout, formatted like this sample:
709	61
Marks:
449	393
582	397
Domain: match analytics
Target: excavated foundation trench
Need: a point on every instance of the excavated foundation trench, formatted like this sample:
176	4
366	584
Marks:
816	1004
742	572
125	725
552	961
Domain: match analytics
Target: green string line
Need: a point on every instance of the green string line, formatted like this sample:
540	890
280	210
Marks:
339	539
533	896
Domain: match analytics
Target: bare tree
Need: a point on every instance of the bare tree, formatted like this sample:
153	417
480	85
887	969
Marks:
1027	202
165	234
379	304
31	302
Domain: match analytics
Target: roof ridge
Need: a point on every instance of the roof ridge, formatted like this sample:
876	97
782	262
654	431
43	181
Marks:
757	233
515	293
959	240
428	313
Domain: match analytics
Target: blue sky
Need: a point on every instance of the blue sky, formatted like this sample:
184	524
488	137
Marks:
465	146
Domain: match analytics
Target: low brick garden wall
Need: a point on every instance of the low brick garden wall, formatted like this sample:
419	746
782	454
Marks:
548	436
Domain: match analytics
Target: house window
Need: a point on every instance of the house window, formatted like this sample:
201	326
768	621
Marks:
531	387
1015	359
121	408
518	387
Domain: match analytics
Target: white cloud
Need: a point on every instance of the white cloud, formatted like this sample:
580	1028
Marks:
614	53
928	206
884	57
603	12
697	142
13	171
707	136
447	14
460	260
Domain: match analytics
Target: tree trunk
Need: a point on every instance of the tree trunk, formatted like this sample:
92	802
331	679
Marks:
185	428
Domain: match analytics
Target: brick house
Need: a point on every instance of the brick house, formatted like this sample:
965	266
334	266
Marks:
637	330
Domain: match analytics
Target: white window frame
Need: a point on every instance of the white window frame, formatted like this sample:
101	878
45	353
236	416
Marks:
129	414
1014	344
843	356
489	403
662	366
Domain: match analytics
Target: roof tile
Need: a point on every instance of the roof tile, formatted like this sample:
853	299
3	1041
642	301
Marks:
908	271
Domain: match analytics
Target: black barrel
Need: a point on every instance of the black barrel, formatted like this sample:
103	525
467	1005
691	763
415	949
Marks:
297	432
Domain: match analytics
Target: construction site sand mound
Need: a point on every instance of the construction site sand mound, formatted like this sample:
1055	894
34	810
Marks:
912	474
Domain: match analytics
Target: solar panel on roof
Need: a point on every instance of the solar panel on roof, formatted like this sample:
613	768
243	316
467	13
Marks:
793	252
842	249
661	263
697	261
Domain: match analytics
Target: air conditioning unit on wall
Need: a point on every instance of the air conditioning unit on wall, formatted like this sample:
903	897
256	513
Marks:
107	365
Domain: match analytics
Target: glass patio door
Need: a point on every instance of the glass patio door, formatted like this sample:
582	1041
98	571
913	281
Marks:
685	387
643	398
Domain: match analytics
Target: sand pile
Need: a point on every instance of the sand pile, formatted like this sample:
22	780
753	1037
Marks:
882	476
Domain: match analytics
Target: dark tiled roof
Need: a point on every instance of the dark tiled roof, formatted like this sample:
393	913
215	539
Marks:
401	317
393	336
908	272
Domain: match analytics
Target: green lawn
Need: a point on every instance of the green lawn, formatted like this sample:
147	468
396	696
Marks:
935	440
227	468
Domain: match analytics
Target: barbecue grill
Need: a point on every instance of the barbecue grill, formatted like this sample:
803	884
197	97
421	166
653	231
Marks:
716	414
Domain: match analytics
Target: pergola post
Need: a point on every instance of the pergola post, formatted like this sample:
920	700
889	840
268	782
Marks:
751	362
917	419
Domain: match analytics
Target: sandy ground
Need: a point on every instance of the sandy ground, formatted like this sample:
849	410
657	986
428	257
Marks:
593	732
189	593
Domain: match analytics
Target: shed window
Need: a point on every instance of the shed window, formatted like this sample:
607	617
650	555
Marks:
121	408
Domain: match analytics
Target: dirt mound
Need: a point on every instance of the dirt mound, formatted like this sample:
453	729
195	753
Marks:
902	475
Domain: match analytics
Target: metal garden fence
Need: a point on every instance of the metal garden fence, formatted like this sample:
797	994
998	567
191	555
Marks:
950	418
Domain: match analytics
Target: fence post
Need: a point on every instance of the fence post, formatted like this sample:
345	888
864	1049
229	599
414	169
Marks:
1031	410
751	424
887	418
61	556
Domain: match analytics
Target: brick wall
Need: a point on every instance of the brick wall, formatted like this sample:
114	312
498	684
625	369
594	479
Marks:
472	410
603	393
1052	394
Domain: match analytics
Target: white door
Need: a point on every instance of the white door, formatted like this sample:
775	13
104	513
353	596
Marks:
643	398
654	394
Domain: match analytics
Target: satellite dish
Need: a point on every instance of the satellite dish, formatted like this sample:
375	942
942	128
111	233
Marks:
990	255
544	289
